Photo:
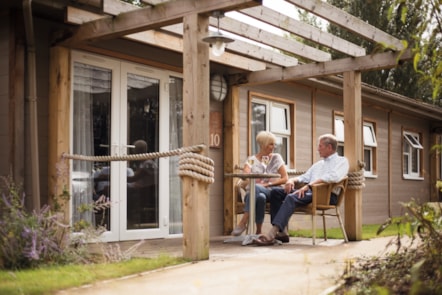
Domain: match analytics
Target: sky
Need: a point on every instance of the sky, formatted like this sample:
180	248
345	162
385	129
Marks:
278	5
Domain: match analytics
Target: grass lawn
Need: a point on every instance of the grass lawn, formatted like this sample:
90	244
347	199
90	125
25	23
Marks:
48	280
368	232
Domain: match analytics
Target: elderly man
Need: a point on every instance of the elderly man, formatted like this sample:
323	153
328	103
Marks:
283	201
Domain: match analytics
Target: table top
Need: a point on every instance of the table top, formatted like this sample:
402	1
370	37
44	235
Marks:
252	175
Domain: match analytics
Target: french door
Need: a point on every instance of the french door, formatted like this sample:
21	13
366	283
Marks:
118	109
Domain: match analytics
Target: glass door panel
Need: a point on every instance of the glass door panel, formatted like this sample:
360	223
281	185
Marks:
142	212
91	104
142	127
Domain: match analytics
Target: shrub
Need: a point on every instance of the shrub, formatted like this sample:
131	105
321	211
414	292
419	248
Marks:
31	239
415	268
28	239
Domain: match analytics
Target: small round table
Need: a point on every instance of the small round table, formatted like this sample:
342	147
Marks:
247	239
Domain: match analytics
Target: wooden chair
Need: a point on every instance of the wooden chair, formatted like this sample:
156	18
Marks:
320	205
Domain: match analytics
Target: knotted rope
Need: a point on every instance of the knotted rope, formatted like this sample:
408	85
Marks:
196	166
356	179
191	164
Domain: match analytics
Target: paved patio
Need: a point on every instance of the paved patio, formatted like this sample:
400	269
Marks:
294	268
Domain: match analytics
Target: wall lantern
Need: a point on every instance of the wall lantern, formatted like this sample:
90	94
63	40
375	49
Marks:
217	40
218	87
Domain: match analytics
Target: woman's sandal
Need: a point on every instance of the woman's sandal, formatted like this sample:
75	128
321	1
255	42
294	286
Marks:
263	241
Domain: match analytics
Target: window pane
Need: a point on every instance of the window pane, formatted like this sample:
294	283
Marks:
405	168
369	136
340	150
259	118
282	147
339	129
367	159
415	161
279	119
413	140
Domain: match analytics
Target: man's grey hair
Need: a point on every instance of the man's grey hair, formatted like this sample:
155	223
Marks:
329	139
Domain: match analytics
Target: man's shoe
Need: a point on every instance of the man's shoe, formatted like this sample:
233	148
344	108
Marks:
282	237
238	230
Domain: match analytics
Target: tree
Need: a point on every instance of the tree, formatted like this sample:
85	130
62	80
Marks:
406	20
427	39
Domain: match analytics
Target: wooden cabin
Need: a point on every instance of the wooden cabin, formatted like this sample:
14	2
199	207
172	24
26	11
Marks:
94	77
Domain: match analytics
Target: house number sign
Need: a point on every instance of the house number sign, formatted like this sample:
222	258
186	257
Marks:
216	130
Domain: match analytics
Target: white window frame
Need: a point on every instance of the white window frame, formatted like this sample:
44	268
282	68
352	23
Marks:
282	133
370	143
413	140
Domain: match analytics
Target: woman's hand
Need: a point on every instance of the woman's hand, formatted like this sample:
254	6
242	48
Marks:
289	186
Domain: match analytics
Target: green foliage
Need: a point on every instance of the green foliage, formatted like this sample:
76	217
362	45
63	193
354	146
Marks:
28	239
415	268
425	39
418	25
33	239
369	231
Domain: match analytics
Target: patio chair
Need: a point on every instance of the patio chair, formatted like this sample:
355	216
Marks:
320	205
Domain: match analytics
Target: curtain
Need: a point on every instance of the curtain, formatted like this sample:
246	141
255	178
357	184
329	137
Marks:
89	82
176	141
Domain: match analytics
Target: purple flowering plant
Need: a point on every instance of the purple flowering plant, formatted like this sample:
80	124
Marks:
28	239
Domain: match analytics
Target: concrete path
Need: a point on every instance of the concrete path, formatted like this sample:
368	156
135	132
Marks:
293	268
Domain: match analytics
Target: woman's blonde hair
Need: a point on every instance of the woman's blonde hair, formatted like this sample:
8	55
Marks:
264	138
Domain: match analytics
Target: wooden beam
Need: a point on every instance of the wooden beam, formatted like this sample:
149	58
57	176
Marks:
170	42
115	7
348	22
248	49
196	111
353	151
261	36
147	18
167	41
305	31
364	63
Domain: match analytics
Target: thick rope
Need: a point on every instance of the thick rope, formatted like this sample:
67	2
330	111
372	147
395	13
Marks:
191	164
196	166
356	179
135	157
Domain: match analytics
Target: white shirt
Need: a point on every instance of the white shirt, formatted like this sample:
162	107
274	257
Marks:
330	169
256	166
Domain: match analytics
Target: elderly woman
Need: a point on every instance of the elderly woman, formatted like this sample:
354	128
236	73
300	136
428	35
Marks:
265	161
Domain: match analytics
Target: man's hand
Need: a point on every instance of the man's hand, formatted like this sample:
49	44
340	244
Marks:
300	192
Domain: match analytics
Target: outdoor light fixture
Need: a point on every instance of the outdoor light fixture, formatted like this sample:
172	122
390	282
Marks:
217	40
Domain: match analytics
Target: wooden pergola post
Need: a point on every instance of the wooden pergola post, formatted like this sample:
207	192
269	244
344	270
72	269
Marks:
231	155
59	113
195	131
353	150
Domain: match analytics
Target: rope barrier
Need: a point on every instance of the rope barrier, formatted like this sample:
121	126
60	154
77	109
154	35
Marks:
355	179
191	164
